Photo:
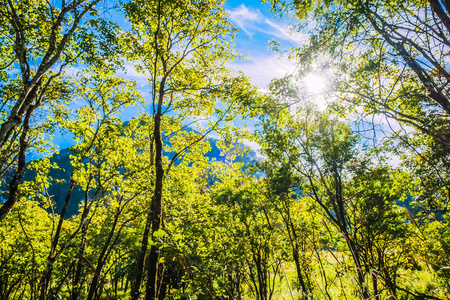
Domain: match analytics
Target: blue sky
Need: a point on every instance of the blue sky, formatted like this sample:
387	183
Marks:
257	27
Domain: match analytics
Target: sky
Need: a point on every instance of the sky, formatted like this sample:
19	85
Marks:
257	28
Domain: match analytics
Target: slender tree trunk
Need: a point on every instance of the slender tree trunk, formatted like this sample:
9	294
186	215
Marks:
296	257
102	258
136	284
153	223
23	105
375	287
21	168
77	284
156	209
45	278
296	254
356	259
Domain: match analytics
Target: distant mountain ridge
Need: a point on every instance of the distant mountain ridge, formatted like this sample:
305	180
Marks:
58	191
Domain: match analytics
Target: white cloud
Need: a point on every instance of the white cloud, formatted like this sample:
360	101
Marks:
284	32
130	72
262	69
253	146
252	21
245	18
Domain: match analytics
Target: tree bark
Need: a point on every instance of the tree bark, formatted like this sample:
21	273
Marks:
21	168
156	208
136	285
45	279
439	11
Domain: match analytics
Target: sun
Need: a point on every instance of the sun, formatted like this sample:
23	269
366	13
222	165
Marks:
314	83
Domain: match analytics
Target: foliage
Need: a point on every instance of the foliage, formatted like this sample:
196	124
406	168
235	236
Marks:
324	213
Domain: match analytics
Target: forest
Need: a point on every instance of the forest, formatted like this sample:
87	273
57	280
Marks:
347	201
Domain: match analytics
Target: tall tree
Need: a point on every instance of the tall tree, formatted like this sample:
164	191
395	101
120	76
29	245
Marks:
40	40
395	53
95	126
390	61
182	47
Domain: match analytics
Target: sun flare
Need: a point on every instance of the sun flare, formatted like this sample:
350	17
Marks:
314	83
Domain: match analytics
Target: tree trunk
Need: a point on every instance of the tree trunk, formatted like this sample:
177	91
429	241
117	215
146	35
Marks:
45	279
156	209
77	284
21	168
154	216
102	258
136	285
296	257
356	259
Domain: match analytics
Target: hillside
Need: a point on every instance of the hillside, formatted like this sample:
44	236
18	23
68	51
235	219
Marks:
58	191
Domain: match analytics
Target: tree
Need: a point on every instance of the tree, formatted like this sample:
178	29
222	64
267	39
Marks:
282	186
40	40
253	241
389	61
356	190
96	129
320	155
182	46
394	53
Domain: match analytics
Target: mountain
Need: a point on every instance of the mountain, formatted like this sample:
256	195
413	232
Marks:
58	191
